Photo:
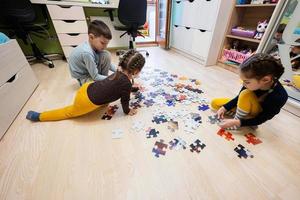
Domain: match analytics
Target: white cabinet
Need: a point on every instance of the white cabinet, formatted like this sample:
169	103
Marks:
193	41
17	83
201	42
197	27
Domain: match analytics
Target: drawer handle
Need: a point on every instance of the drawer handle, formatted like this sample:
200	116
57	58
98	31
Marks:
176	26
202	30
188	28
69	21
12	79
73	34
64	6
74	46
191	1
178	2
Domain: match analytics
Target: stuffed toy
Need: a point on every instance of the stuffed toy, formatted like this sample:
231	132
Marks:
260	29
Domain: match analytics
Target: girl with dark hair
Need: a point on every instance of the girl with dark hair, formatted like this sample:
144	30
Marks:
261	97
93	95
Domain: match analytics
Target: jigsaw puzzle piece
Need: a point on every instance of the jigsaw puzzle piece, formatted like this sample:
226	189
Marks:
197	146
252	139
243	152
159	148
227	134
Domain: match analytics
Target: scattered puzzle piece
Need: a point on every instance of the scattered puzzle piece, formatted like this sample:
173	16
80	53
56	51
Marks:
197	146
177	144
227	134
159	119
252	139
213	119
111	110
172	125
203	107
159	148
152	133
243	152
117	133
149	102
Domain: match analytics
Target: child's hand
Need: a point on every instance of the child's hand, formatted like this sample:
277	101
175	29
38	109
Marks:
228	123
221	113
132	112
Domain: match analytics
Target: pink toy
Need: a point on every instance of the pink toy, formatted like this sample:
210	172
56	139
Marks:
235	56
260	30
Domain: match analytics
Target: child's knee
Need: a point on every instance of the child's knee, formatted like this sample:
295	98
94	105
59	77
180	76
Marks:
217	103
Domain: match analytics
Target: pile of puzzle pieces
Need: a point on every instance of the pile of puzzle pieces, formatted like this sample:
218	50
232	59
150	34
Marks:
173	92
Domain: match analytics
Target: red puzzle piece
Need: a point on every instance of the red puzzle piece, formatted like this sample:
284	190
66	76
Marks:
227	134
252	139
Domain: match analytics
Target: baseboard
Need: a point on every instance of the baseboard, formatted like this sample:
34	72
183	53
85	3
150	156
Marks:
198	60
292	106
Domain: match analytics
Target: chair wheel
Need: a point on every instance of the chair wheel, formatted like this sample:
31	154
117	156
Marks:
51	65
147	54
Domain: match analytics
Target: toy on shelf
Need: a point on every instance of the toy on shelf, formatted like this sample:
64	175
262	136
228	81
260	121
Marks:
242	32
237	53
260	29
240	2
257	1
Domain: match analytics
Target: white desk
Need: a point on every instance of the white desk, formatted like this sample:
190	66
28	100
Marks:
112	4
69	21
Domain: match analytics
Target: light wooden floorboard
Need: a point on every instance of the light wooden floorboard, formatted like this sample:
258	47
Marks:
77	159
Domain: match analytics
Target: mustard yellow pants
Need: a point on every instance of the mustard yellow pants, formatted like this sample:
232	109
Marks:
81	105
247	102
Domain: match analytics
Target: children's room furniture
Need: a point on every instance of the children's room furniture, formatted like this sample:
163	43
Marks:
243	36
19	17
17	83
198	26
69	20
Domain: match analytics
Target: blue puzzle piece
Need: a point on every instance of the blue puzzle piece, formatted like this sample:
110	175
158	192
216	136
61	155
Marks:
243	152
149	102
170	103
203	107
152	133
159	119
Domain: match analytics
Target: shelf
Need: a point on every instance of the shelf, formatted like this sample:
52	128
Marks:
244	38
255	5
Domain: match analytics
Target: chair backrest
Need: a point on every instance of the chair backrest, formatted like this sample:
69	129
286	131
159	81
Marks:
132	13
17	10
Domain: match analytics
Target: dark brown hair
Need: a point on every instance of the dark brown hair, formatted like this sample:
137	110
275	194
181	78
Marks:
99	28
260	65
132	61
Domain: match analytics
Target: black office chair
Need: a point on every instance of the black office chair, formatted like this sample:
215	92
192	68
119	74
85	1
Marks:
19	16
131	18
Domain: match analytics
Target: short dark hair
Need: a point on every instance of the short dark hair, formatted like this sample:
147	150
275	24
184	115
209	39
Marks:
99	28
259	65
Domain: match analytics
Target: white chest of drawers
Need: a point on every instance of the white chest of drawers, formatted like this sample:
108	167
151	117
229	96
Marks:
70	25
17	83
